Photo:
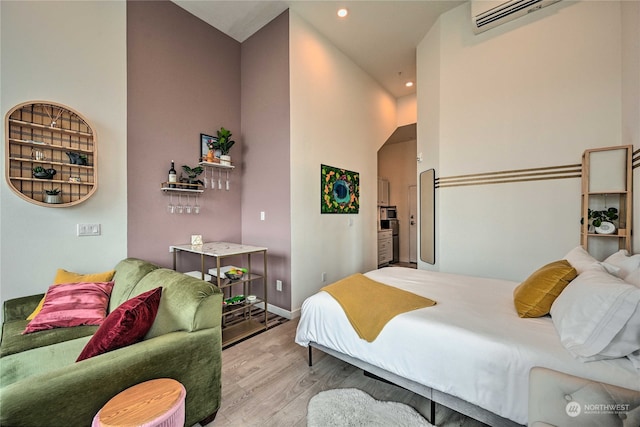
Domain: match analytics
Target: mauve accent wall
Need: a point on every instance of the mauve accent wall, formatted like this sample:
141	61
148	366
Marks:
183	80
266	161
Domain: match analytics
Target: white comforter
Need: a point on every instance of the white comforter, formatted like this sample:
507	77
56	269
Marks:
471	344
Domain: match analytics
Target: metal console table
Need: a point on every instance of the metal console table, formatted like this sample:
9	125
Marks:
237	320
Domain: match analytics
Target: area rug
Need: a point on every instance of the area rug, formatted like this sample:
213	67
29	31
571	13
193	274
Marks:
350	407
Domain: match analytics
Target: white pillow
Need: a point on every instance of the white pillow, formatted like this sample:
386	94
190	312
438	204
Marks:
633	277
635	359
622	264
598	316
581	260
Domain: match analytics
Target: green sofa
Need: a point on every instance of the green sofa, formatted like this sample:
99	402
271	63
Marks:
42	385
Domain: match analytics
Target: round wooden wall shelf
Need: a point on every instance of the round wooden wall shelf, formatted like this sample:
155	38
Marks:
43	137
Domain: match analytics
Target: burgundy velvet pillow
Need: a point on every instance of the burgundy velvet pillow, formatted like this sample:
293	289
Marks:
72	304
125	325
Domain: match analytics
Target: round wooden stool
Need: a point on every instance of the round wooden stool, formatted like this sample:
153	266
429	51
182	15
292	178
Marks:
154	403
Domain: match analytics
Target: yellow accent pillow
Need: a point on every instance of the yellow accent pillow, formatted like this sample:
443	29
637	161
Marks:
64	276
534	296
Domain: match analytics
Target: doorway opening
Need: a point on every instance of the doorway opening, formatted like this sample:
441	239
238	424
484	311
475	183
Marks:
397	171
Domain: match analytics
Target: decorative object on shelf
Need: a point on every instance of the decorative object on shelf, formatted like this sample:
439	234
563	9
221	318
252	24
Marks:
602	221
196	239
606	228
235	273
50	135
37	154
224	143
54	122
77	159
53	196
172	175
238	299
340	190
42	173
216	147
208	148
192	175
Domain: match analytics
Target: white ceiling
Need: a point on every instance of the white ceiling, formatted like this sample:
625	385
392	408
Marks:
380	36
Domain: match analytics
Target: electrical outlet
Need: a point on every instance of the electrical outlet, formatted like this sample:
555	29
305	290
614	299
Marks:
88	229
323	277
279	285
262	216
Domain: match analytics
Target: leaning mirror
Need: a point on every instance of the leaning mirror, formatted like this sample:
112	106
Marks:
428	216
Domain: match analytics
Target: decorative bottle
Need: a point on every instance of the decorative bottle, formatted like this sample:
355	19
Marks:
172	176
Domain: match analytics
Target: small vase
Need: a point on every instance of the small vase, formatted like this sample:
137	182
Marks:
52	198
225	160
210	156
73	158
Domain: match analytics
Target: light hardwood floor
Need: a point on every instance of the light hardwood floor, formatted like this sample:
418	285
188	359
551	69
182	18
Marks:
266	381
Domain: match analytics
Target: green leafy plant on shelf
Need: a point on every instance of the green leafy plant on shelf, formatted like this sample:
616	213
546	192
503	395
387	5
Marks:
192	175
223	141
598	217
53	191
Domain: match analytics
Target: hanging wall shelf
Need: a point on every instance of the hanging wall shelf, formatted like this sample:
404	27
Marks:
216	165
181	188
50	146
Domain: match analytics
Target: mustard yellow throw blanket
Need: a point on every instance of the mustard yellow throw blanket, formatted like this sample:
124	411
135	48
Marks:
369	305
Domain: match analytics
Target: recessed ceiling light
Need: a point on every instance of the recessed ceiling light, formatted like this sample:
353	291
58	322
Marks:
408	84
343	12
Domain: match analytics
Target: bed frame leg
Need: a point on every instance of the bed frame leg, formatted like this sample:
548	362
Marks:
432	419
310	357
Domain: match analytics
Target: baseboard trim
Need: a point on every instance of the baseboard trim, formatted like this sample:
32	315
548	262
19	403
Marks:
282	312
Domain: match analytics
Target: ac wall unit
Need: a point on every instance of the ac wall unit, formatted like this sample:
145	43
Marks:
486	14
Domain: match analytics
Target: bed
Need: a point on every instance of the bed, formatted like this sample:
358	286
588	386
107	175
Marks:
470	352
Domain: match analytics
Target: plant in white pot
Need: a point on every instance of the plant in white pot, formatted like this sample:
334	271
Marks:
602	221
53	196
224	144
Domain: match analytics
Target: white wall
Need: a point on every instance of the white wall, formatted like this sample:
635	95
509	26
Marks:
339	117
534	92
428	123
630	11
407	110
73	53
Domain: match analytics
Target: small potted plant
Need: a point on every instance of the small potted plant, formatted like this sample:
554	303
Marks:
224	144
53	196
42	173
602	221
192	175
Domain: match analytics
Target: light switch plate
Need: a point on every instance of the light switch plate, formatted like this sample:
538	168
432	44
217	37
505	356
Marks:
88	229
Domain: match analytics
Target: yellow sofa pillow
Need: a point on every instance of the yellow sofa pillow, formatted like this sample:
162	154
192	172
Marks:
534	296
64	276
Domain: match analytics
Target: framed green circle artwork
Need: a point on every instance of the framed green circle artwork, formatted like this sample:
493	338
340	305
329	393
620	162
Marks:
339	190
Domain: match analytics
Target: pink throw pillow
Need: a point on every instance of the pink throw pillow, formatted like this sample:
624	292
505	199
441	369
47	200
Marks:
72	304
125	325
